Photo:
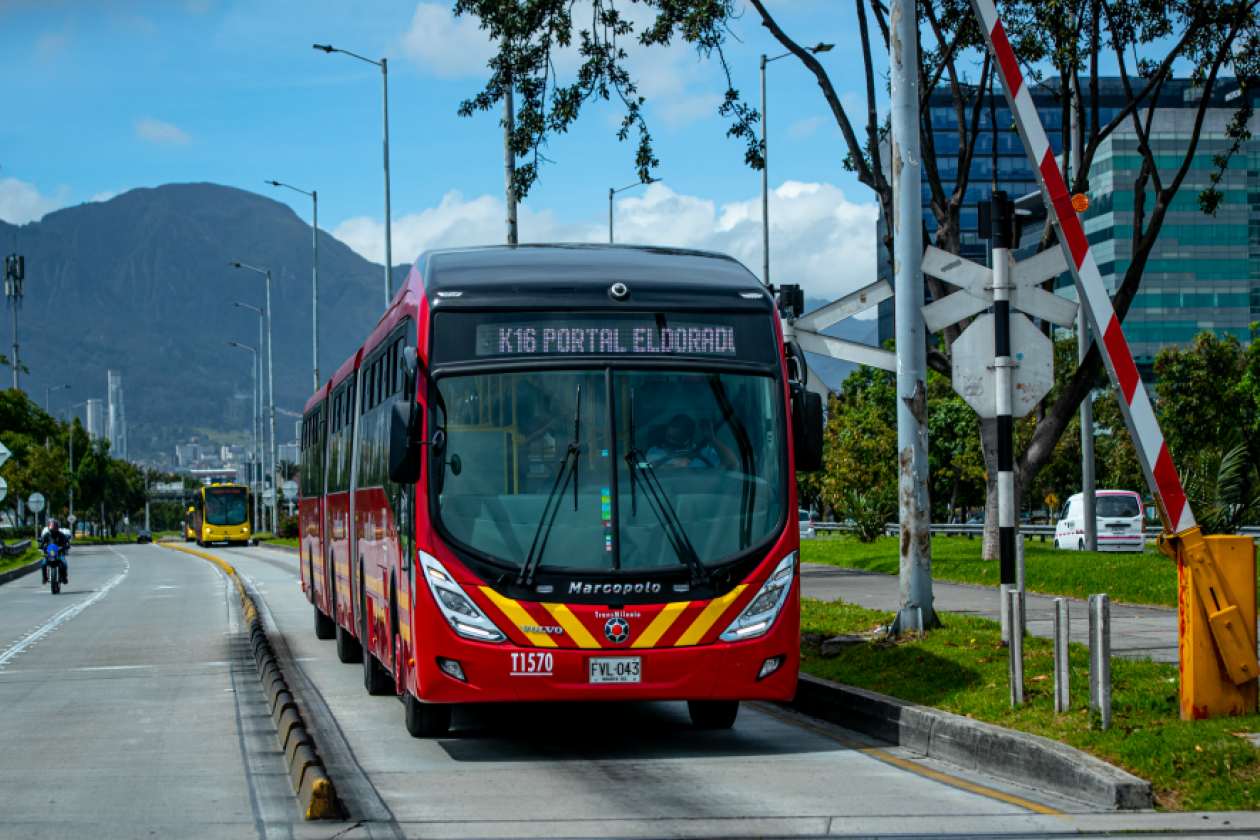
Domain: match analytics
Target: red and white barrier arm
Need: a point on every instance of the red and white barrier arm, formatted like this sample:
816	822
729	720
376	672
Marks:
1139	415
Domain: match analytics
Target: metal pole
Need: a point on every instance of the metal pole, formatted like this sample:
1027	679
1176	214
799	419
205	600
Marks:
257	450
271	388
1100	658
1004	364
389	252
1062	669
765	184
72	471
1088	496
315	283
912	436
610	216
509	167
14	301
1016	650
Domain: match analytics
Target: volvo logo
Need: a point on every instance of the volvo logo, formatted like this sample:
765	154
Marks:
576	588
534	628
617	630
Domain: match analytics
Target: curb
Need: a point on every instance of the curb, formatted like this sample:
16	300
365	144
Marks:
14	574
287	549
974	745
310	780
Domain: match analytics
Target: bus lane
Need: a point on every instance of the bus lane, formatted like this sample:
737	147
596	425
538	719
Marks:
609	769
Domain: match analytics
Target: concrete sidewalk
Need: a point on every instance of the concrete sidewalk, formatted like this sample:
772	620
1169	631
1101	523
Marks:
1136	632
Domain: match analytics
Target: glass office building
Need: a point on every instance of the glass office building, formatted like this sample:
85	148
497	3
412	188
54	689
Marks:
1203	273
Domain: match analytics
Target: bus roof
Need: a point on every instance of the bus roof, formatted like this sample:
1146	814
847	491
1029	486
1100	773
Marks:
581	268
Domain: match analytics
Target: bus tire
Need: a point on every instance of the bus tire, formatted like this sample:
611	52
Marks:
324	627
376	679
713	714
426	720
349	650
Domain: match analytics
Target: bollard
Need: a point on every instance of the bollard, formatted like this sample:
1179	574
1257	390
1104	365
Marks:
1016	649
1100	658
1216	617
1023	590
1062	669
1004	610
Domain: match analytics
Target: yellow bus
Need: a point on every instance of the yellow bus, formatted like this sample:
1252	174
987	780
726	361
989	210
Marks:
190	533
221	515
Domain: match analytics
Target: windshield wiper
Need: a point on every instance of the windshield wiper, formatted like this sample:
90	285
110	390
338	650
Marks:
568	470
641	471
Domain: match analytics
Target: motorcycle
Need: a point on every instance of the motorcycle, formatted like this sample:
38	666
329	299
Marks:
54	566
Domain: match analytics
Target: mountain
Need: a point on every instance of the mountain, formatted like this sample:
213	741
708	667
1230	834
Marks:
141	284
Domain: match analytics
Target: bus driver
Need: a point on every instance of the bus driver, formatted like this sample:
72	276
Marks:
681	449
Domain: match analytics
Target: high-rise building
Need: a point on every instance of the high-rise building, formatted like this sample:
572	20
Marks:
116	419
1203	273
95	419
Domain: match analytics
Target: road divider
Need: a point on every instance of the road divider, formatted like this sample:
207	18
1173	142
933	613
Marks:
310	780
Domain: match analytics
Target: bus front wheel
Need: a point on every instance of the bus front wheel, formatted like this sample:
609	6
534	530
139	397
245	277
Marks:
713	714
426	720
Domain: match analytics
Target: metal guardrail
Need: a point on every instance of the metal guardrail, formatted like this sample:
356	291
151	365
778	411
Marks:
15	549
1042	531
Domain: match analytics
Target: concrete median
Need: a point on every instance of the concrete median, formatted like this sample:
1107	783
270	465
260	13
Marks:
314	789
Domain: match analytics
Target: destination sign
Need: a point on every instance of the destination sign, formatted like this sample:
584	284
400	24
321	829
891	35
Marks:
602	338
622	336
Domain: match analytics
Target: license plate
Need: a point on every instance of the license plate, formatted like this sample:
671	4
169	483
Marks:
1119	530
620	669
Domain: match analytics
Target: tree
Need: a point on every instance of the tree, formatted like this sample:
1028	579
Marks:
288	471
1070	36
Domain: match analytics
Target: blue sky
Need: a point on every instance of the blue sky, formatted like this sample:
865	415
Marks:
104	97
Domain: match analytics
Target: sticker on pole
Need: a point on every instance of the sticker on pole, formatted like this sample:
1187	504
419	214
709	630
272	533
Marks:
975	379
35	502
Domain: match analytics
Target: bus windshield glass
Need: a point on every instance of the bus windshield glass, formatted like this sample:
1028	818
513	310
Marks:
229	506
640	461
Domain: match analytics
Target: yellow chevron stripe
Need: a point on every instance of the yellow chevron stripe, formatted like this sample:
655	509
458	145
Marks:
517	615
663	621
572	626
711	614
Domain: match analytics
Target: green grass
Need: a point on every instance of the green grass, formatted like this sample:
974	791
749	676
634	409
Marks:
289	541
962	668
7	563
1146	578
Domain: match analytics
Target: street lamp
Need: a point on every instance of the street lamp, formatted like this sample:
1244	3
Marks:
314	274
765	163
71	517
48	395
612	192
254	449
389	255
271	380
259	432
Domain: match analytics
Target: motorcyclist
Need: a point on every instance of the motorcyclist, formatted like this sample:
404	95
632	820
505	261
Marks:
54	534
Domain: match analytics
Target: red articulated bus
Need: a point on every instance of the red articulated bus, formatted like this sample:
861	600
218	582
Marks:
563	473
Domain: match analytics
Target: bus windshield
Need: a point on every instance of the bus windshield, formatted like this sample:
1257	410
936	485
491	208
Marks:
656	450
227	507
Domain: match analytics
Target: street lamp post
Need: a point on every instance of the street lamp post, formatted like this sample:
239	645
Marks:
314	274
612	192
259	434
271	389
389	256
254	430
71	517
765	163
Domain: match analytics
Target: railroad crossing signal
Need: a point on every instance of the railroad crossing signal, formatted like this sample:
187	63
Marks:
974	375
805	330
35	502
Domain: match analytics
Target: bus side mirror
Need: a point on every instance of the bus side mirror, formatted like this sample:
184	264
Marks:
807	430
404	465
409	361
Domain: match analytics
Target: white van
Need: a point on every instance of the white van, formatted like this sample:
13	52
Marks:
1121	522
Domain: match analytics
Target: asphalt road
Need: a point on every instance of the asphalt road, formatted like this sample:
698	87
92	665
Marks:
129	708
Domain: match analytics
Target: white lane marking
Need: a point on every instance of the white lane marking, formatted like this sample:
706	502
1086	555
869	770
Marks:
112	668
63	616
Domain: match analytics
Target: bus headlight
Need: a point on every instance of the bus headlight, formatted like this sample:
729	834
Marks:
758	617
465	617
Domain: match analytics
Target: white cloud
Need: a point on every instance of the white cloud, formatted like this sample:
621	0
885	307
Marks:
818	238
446	46
160	133
104	196
803	128
21	202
